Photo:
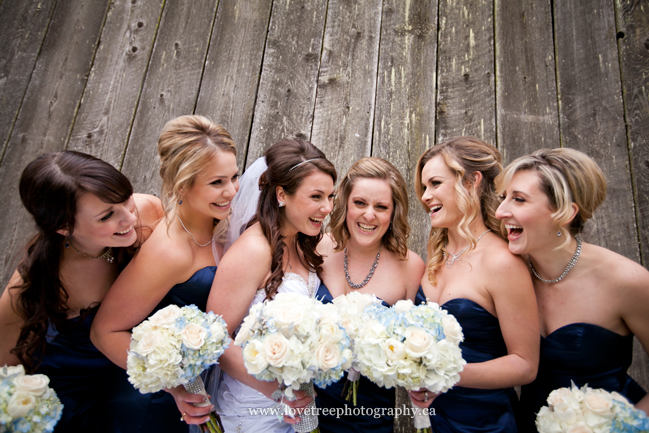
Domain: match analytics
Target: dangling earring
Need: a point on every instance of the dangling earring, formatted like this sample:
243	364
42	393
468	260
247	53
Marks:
558	234
67	243
181	200
281	203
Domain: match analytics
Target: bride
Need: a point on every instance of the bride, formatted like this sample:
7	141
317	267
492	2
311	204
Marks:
276	253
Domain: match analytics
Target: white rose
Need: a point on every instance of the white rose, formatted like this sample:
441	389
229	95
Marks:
34	384
403	306
547	422
287	310
418	341
565	413
166	316
330	332
194	336
599	402
7	371
148	343
217	331
328	355
394	349
276	349
20	404
253	354
452	329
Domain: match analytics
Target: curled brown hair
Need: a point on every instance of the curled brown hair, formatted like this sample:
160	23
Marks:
396	238
289	162
464	156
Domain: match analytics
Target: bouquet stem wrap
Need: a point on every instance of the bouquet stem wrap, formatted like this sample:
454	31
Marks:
198	387
309	419
421	421
350	390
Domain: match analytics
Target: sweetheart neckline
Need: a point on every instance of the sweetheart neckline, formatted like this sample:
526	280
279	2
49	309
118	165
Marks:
561	328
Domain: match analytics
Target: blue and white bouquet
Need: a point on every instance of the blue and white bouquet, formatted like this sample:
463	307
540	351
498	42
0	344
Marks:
351	308
587	410
411	346
27	403
295	340
173	347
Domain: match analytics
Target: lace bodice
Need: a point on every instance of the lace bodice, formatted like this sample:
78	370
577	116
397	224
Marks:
292	283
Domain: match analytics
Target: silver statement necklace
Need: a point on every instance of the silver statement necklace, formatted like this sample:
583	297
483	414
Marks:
108	254
571	264
369	276
190	234
452	258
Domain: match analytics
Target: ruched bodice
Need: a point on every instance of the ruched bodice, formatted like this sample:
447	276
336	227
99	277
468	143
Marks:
585	354
370	395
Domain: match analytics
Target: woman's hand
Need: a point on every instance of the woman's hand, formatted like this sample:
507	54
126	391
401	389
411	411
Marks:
185	401
422	398
297	406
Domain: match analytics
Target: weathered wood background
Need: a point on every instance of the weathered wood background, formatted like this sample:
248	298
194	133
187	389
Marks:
388	78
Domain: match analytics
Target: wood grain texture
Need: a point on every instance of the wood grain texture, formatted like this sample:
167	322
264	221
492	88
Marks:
23	25
633	42
344	111
171	86
47	112
231	76
592	115
287	88
108	105
466	96
526	89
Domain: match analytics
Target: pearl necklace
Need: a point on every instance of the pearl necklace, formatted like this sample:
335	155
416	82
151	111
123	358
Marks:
108	254
571	264
452	258
367	279
190	234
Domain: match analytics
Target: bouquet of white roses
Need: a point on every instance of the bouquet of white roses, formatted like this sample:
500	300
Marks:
174	346
295	339
351	308
411	346
587	410
27	403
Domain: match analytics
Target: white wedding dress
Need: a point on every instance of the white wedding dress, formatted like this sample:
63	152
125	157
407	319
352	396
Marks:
238	404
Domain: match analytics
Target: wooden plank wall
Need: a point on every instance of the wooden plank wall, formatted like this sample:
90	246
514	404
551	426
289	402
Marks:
387	78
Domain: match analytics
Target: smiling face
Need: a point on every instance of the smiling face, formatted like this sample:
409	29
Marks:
306	209
369	211
527	215
99	224
438	184
213	188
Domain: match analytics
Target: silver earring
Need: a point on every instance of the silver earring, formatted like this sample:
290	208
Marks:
281	203
181	200
558	234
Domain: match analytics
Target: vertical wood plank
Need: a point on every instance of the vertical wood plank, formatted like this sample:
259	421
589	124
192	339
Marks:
231	76
287	88
633	43
23	25
109	101
170	87
466	97
526	89
592	115
48	109
344	109
404	125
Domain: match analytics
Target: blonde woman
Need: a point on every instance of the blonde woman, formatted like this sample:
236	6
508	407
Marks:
591	300
176	265
472	274
366	252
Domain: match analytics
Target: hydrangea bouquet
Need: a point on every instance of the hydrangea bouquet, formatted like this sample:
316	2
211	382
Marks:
173	347
411	346
587	410
27	403
295	340
351	308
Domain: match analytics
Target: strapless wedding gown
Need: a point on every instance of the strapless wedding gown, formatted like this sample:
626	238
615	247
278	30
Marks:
238	404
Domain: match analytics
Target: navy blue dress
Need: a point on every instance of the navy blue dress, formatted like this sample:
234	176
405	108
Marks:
370	395
585	354
469	409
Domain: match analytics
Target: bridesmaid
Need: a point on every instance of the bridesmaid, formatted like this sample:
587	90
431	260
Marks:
176	266
548	197
89	224
366	252
472	275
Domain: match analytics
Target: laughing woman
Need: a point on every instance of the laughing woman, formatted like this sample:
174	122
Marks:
176	266
473	276
591	300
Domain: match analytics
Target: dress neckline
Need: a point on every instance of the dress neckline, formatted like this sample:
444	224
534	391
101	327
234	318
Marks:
471	301
583	324
310	284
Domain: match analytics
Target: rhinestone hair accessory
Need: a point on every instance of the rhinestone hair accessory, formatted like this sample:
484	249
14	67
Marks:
300	163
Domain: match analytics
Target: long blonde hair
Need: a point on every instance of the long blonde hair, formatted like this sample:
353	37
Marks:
464	156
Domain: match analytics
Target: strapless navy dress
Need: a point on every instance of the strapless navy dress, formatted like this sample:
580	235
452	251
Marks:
369	396
582	353
469	409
